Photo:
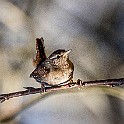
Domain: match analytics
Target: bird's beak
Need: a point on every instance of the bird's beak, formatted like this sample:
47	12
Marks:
31	75
67	52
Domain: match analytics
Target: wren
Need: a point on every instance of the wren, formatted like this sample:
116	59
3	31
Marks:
57	69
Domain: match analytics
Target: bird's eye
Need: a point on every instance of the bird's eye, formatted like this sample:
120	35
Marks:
58	56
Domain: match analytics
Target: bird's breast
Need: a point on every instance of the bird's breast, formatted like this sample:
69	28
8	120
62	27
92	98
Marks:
58	76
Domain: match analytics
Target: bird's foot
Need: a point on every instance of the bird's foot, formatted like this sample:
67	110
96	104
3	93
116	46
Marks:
43	89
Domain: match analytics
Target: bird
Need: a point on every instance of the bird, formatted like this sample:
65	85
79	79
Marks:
57	69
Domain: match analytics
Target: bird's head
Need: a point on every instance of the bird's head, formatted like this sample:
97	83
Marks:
59	57
58	54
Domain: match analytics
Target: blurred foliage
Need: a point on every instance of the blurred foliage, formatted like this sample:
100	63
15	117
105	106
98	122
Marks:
93	29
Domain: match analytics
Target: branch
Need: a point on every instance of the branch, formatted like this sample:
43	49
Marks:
28	91
79	83
107	82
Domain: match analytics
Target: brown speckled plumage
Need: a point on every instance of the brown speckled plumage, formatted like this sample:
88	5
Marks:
56	69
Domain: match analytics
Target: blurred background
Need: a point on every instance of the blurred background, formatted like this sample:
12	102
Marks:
93	29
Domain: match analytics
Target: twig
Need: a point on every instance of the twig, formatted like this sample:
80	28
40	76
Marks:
32	90
107	82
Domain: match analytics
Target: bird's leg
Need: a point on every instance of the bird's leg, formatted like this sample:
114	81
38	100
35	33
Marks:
70	82
43	88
